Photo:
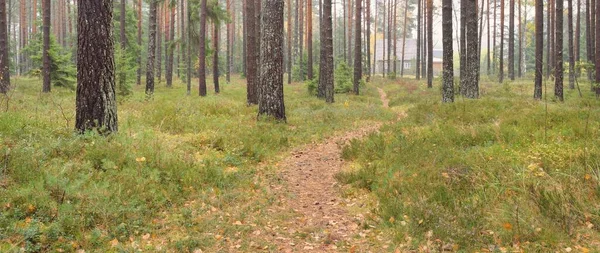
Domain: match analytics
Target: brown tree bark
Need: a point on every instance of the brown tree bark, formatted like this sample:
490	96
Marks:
558	81
34	17
489	69
357	49
159	34
395	42
326	88
501	59
472	89
418	55
229	44
252	94
271	102
368	39
511	40
4	61
289	41
46	86
430	43
448	74
216	57
96	106
309	38
577	46
463	46
596	23
170	49
24	36
404	37
202	51
350	31
539	48
139	41
520	54
152	22
571	50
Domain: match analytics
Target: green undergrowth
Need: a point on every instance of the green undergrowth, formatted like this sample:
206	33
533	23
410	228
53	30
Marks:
60	191
497	173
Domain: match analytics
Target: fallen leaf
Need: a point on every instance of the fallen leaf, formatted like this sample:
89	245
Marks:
507	226
114	243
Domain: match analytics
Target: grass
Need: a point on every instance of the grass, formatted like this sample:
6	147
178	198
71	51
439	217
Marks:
176	177
500	173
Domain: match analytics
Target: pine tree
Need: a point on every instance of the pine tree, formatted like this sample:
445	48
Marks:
46	86
326	89
448	74
96	106
202	51
558	81
151	48
501	59
430	43
571	50
251	68
539	48
4	62
357	49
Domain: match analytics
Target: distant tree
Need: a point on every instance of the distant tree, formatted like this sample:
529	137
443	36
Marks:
96	106
404	31
4	62
202	50
357	49
571	50
419	36
558	81
309	38
46	87
139	41
501	59
270	101
151	48
539	48
326	89
430	43
448	75
511	40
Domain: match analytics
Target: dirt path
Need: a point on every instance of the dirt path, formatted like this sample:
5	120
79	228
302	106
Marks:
323	221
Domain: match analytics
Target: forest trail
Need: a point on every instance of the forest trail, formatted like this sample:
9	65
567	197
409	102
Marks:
324	220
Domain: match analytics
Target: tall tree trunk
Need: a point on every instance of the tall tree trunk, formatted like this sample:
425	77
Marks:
123	37
309	42
588	37
472	89
404	37
159	35
520	54
596	47
425	34
301	39
96	106
463	47
271	83
289	41
495	35
571	50
252	95
489	71
558	84
549	32
539	48
430	43
24	36
34	17
46	86
511	40
139	41
448	75
501	59
245	38
350	31
326	89
202	50
229	45
216	57
418	54
189	49
151	48
395	45
170	48
368	39
389	31
357	49
577	46
384	31
374	64
258	49
4	62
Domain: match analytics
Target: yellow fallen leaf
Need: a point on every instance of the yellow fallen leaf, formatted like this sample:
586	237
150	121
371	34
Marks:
588	177
114	243
507	226
140	159
392	219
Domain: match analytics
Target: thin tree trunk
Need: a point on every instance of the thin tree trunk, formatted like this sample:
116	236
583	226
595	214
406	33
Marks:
489	71
430	43
139	41
368	39
46	87
216	56
301	39
571	50
151	48
389	31
251	96
189	50
501	59
577	46
418	54
289	41
511	40
229	45
395	45
404	37
170	48
463	47
271	86
34	17
520	54
24	36
357	49
549	39
588	37
448	75
202	50
96	106
539	48
309	42
350	31
159	32
4	61
326	89
596	22
558	84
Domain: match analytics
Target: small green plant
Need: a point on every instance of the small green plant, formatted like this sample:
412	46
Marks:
62	70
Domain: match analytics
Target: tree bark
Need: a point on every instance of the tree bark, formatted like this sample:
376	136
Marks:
301	39
558	84
271	101
202	51
326	89
472	89
4	62
151	48
309	37
520	54
96	107
46	86
463	47
229	45
289	41
404	37
350	31
139	41
395	38
430	43
511	40
448	75
357	49
489	71
596	47
501	59
368	39
251	96
418	55
216	57
571	50
159	32
170	48
539	48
